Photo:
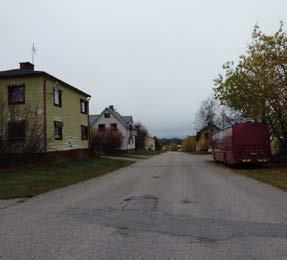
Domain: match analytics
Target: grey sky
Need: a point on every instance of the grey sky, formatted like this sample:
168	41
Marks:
154	59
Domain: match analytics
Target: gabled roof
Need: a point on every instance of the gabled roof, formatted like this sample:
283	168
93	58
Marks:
125	120
17	73
93	118
128	119
210	126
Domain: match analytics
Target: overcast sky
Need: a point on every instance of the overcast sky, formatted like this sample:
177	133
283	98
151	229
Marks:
153	59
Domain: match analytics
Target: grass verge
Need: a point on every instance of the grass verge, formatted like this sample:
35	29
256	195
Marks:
275	175
26	183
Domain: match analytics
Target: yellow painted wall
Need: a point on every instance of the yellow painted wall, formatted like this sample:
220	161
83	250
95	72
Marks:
32	109
33	91
202	144
149	143
69	114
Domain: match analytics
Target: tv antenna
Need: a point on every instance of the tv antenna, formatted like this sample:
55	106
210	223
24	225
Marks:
33	53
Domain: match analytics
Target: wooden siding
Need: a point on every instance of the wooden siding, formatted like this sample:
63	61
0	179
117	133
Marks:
69	114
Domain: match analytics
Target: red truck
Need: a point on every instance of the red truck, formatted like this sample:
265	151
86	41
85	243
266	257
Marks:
242	143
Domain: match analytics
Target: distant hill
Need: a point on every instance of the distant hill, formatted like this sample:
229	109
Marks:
169	141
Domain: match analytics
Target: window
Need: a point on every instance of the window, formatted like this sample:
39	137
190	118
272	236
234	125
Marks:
107	115
83	106
102	127
17	130
206	136
57	97
16	94
131	140
84	132
114	127
58	130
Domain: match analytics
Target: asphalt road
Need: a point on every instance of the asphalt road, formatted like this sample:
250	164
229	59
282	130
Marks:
171	206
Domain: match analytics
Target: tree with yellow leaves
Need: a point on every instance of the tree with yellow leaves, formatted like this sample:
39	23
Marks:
257	85
189	144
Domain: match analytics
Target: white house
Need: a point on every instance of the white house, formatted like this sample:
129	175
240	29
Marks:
111	118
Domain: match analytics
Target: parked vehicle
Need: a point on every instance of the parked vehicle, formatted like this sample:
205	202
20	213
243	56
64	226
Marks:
242	143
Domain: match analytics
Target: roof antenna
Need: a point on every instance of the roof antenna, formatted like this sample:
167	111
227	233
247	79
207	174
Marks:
33	53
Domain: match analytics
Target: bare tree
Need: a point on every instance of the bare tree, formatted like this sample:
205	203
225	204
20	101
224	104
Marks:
212	113
142	133
21	129
206	114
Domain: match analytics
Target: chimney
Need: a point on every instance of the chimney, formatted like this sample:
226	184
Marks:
26	66
112	107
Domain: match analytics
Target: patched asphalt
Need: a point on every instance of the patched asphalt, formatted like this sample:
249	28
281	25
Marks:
171	206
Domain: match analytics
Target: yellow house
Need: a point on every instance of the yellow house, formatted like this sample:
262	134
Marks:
203	138
61	110
149	143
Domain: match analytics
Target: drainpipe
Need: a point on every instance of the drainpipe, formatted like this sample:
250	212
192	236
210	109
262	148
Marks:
45	113
88	114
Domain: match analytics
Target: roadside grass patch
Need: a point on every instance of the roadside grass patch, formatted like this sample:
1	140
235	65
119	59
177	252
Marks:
29	182
276	175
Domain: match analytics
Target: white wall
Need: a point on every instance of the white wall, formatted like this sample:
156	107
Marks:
125	132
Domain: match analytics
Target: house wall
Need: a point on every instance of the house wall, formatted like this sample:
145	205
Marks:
149	143
33	101
69	114
203	144
125	132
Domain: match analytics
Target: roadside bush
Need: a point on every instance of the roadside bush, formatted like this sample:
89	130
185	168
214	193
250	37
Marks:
21	130
106	141
142	133
173	147
189	144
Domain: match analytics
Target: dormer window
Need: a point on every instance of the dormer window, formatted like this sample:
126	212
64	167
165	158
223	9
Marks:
16	94
57	96
107	115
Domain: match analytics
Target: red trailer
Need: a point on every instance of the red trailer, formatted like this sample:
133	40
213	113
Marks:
242	143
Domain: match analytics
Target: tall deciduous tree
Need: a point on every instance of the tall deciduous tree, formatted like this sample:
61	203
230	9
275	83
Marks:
212	113
257	85
189	144
173	147
158	144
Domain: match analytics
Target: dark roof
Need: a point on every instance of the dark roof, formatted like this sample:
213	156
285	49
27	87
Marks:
128	119
210	126
93	118
31	73
125	120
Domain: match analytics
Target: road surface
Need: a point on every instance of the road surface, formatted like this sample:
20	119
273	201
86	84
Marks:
171	206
